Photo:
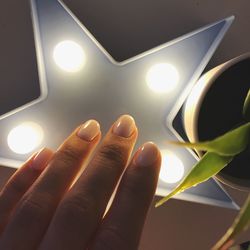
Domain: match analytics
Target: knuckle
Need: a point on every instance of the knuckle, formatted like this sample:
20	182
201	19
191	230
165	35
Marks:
113	153
76	207
111	239
68	154
32	204
73	213
34	207
15	187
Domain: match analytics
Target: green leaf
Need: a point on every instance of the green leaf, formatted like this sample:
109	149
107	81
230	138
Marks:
209	165
229	144
246	108
240	224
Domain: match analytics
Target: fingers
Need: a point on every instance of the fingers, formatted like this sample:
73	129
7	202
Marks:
82	208
123	224
37	206
20	182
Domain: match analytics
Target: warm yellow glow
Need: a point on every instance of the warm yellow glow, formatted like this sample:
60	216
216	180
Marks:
162	78
25	138
69	56
172	168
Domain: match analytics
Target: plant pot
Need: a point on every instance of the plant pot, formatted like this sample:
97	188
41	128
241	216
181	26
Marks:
215	106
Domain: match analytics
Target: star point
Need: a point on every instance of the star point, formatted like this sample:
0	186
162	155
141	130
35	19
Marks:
90	84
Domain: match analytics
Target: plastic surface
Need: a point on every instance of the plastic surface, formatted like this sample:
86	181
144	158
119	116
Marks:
104	89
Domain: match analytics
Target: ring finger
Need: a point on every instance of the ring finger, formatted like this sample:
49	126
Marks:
20	182
37	206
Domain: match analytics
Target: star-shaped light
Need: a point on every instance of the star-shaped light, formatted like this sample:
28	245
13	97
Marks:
79	80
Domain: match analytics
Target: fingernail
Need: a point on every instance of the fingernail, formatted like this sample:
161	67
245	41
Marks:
147	154
41	158
124	126
89	130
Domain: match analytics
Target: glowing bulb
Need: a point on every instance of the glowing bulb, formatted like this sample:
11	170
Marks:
162	78
25	138
69	56
172	169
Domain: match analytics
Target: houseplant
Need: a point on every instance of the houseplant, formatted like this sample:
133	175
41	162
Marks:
215	107
213	110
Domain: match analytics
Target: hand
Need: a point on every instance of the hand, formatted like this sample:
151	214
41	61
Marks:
52	203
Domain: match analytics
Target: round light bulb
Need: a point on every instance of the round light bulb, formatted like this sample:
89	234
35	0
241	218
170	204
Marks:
162	78
172	168
25	138
69	56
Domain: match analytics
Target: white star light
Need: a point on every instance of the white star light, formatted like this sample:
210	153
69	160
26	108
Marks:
25	138
162	77
79	81
172	169
69	56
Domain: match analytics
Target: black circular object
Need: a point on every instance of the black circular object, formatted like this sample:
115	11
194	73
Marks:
221	111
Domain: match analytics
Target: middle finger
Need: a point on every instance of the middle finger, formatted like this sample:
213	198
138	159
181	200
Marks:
82	208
